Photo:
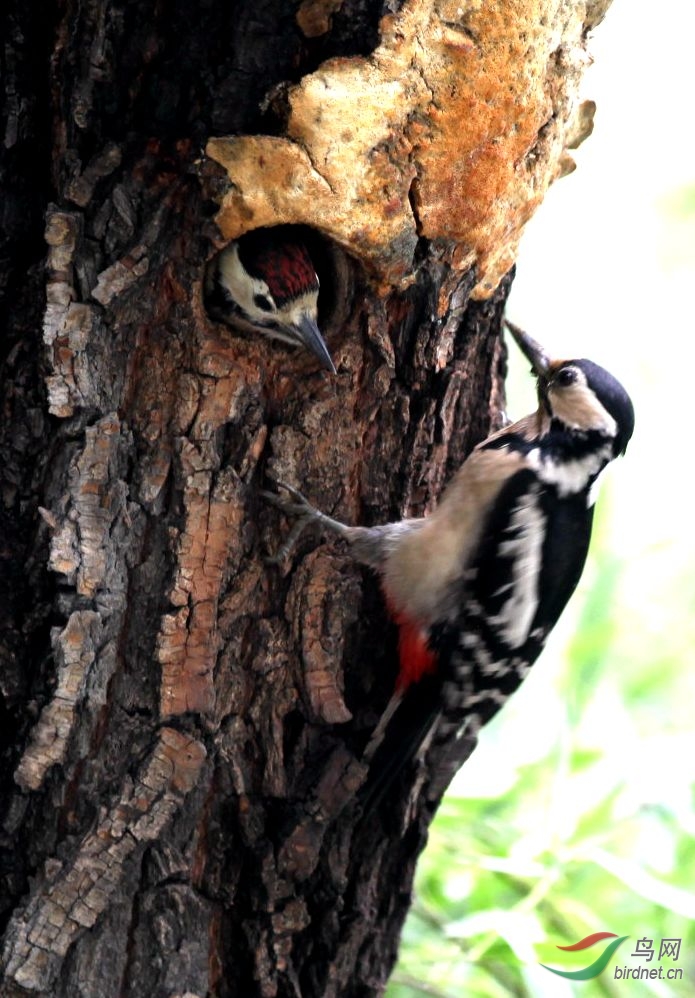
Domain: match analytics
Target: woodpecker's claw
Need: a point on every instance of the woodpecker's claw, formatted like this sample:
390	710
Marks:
306	514
301	508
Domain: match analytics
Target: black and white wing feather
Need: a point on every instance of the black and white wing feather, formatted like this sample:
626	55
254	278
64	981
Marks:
525	568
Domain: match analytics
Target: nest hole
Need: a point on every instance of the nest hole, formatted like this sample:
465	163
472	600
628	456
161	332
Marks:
333	267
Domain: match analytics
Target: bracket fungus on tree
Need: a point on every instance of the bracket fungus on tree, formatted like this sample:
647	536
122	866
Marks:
452	129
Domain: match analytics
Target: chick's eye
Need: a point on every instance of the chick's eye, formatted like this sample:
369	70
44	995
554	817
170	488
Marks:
265	304
567	376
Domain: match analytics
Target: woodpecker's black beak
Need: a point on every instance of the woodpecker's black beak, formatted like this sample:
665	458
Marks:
310	336
540	361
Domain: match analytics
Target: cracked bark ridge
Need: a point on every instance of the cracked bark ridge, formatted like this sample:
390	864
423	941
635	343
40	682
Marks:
73	895
182	724
452	128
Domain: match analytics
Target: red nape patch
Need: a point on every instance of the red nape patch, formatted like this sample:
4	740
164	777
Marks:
416	658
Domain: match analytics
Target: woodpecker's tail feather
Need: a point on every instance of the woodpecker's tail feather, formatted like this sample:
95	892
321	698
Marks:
405	733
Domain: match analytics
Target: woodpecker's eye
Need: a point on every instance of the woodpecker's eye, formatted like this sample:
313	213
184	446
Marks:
567	376
265	304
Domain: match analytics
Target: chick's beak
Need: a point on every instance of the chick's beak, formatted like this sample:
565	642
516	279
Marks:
540	361
309	335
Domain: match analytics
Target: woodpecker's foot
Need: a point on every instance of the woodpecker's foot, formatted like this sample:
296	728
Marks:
295	506
306	514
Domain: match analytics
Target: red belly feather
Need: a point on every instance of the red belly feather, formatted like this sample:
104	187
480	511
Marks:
416	658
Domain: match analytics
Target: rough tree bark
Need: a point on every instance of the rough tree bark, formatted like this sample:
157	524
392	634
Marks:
182	724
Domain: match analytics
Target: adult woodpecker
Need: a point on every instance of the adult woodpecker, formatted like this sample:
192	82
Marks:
477	586
265	282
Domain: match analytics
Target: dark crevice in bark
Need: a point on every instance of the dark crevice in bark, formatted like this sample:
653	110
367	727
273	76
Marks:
25	587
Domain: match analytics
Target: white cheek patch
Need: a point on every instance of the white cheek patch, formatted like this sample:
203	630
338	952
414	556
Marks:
579	409
242	287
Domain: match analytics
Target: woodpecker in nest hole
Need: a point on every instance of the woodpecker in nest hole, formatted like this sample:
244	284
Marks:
265	282
476	587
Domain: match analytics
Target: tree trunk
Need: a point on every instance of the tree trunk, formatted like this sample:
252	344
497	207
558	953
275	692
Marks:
182	724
